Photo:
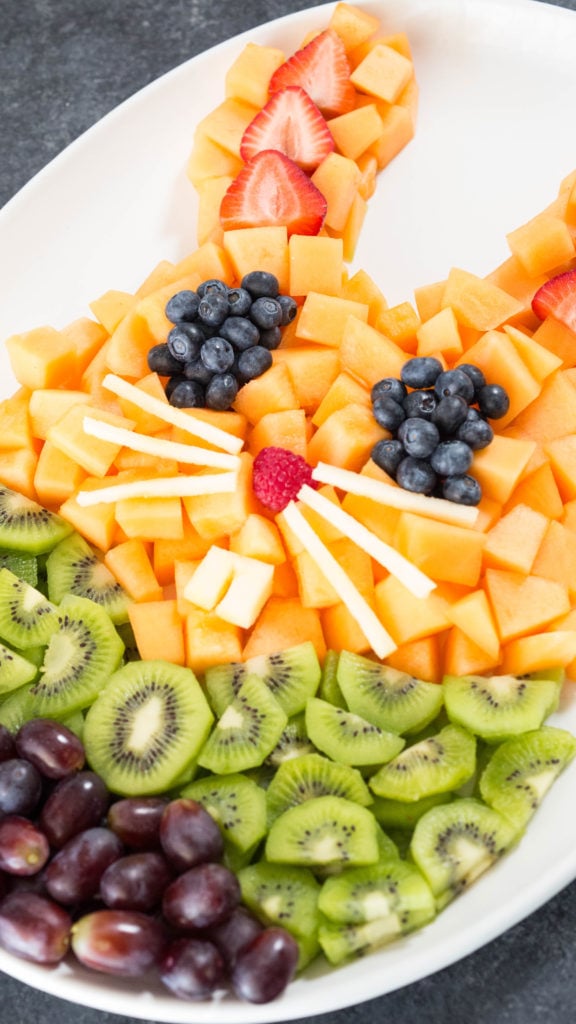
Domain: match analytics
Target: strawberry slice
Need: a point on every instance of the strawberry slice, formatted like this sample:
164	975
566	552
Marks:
271	190
322	69
557	298
292	123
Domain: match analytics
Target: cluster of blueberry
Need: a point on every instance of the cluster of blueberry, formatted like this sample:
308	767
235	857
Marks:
222	338
438	418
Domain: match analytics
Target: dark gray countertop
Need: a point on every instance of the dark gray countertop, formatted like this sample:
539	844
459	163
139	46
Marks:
66	63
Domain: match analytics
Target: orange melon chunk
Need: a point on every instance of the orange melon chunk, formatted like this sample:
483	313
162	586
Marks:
87	336
213	515
499	467
355	131
361	288
514	541
111	307
542	244
557	338
316	264
284	623
353	25
208	159
94	455
190	546
540	361
553	414
540	651
495	354
478	303
442	551
523	604
210	641
57	477
323	318
369	355
312	371
130	563
383	73
420	658
273	391
150	518
263	248
406	617
248	76
158	630
18	469
474	618
16	426
42	357
48	405
540	491
286	429
463	657
259	538
562	455
556	557
338	179
341	631
346	438
397	131
440	334
344	390
226	124
96	522
400	324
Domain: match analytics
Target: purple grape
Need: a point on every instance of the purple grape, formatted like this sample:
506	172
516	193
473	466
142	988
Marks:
201	897
136	820
189	835
34	928
20	787
234	934
76	803
7	746
120	942
73	875
52	748
192	969
24	849
136	882
266	967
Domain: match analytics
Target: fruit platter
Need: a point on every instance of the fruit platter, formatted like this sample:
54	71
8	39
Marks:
288	518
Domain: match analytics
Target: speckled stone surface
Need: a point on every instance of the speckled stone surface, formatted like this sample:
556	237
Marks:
64	64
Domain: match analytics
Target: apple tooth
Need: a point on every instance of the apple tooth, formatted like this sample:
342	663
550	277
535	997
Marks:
234	586
159	446
409	575
395	497
379	639
161	487
208	584
170	414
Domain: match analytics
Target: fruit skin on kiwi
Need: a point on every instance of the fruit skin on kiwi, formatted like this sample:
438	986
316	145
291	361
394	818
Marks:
73	567
236	803
27	526
387	888
145	728
311	776
15	670
246	733
521	771
500	706
291	676
285	896
348	738
329	688
323	832
437	764
398	814
27	617
392	700
293	742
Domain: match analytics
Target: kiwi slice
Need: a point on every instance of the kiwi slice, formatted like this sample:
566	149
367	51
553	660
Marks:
388	888
279	894
236	803
498	707
21	564
79	659
437	764
398	814
247	731
293	742
455	843
348	738
146	727
27	618
16	708
329	688
73	567
291	676
392	700
522	770
328	830
15	670
311	776
26	526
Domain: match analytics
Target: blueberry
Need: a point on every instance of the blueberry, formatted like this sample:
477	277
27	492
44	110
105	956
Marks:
171	383
213	284
475	373
390	387
388	455
464	490
418	436
451	458
388	413
266	313
421	372
271	338
421	404
184	342
493	401
196	370
475	431
416	475
188	394
454	382
213	309
450	413
289	309
217	355
242	333
161	360
261	284
221	391
182	306
253	362
240	301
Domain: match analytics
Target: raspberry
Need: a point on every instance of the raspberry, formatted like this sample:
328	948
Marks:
278	475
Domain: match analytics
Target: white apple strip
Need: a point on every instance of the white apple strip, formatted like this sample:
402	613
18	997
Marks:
170	414
405	571
379	639
161	447
161	487
395	497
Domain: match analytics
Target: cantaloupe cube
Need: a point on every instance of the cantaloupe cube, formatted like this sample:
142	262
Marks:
368	167
397	131
211	192
353	226
478	303
48	405
327	532
362	288
42	358
383	73
341	631
158	632
191	546
553	415
312	370
557	338
524	604
146	422
249	75
409	98
16	424
463	657
273	391
232	422
217	515
562	455
369	355
95	522
162	274
444	552
540	491
440	334
498	467
94	455
210	641
130	564
338	179
17	470
207	261
513	278
259	538
287	429
57	477
428	298
87	336
420	658
153	305
284	623
284	583
209	160
126	352
183	572
355	131
316	264
406	617
540	361
495	354
473	616
542	244
150	518
264	248
226	124
346	438
353	25
400	323
380	519
540	651
344	391
313	588
323	318
111	307
556	557
514	541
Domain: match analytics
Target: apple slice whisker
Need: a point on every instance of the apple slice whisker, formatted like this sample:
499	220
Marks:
179	486
159	446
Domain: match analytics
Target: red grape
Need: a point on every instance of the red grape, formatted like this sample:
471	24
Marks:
266	967
136	882
52	748
20	787
24	849
76	803
234	934
7	746
34	928
189	835
73	875
201	897
136	819
192	969
121	942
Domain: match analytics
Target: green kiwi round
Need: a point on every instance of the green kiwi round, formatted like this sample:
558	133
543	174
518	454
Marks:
74	567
